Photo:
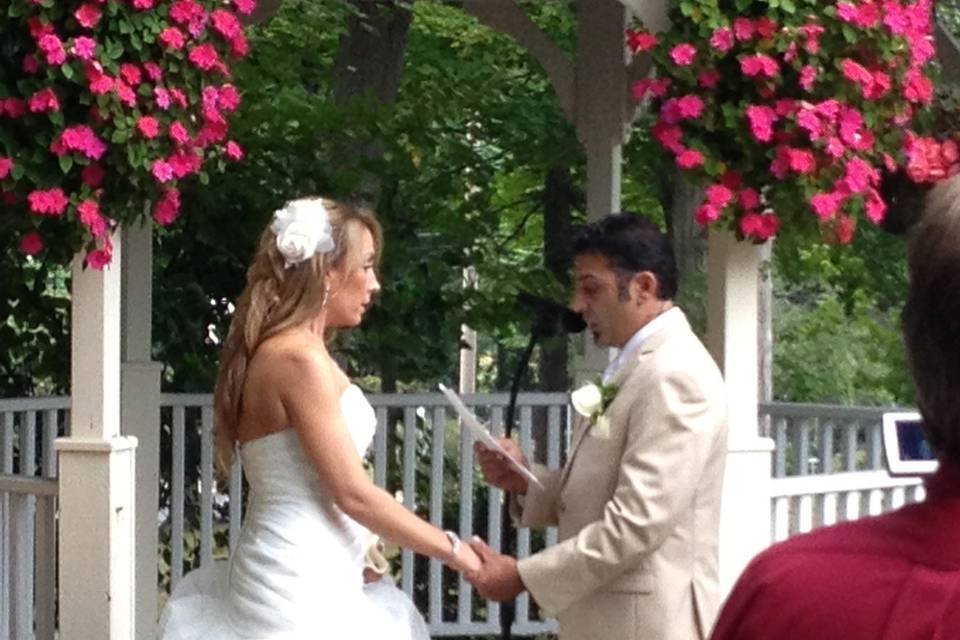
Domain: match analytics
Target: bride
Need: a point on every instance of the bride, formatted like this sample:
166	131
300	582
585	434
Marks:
301	429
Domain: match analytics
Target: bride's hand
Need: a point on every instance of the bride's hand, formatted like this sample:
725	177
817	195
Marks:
467	560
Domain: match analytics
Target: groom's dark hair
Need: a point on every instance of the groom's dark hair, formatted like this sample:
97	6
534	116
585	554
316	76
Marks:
632	243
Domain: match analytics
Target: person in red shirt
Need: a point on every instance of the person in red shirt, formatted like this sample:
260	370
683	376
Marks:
894	576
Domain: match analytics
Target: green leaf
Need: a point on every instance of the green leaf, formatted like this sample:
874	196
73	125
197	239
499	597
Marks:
66	162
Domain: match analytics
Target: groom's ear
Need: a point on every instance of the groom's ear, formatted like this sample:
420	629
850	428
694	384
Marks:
644	286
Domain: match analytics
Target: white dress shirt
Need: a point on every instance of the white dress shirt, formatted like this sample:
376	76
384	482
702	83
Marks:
638	339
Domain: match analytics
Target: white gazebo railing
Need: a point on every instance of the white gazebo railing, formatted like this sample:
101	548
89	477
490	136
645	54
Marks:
28	492
827	467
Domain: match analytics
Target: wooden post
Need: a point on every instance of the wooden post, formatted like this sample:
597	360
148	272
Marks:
97	469
733	285
140	412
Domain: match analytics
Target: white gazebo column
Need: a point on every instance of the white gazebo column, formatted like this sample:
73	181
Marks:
97	469
140	412
601	118
733	282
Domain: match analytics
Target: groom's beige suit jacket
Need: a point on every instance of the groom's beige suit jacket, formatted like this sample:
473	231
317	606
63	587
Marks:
637	506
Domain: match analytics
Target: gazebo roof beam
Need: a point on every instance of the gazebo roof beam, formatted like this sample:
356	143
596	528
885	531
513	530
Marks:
509	18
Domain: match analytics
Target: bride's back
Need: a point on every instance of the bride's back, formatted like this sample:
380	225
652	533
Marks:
278	359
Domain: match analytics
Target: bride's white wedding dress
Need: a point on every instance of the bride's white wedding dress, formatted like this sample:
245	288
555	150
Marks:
297	569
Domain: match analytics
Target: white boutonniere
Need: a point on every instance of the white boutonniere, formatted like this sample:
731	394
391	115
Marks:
591	402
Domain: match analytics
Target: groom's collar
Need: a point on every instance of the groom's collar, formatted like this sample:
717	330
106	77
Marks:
648	338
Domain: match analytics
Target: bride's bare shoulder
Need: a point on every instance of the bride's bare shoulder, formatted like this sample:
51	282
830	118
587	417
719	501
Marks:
291	357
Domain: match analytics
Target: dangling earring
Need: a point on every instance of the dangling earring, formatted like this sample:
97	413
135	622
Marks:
326	296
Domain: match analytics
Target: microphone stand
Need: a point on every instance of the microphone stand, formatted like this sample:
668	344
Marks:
508	533
550	319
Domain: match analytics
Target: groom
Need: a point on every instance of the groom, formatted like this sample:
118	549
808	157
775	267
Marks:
638	500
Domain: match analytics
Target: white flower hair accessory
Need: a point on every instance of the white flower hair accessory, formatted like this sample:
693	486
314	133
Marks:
303	230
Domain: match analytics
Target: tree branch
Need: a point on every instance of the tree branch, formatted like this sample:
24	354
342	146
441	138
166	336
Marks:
507	17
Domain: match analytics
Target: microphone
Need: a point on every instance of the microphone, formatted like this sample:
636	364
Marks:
551	317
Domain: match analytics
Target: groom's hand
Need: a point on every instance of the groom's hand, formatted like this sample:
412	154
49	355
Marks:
497	470
498	578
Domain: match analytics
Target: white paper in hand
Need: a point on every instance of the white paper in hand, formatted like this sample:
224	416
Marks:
482	435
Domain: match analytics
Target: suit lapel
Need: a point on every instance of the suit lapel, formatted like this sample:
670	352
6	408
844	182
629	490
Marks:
620	378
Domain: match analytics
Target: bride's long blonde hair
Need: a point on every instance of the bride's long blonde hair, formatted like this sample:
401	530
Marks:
277	298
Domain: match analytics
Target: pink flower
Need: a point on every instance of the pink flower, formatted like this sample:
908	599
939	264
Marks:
835	147
749	199
162	171
143	5
707	214
808	76
708	79
233	151
239	47
826	205
860	176
12	107
743	29
31	244
205	57
209	97
636	40
785	107
89	215
197	26
851	122
718	195
99	83
167	209
88	15
227	25
731	179
640	88
843	229
52	202
162	96
148	127
30	65
52	47
84	47
876	208
689	159
131	74
125	94
722	39
179	133
43	101
245	7
690	107
186	11
172	38
79	138
801	161
6	164
765	27
100	258
759	227
759	66
154	72
683	54
92	175
761	119
179	97
229	98
659	87
917	87
183	162
669	136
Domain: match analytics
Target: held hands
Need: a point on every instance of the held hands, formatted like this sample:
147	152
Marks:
497	470
466	560
498	578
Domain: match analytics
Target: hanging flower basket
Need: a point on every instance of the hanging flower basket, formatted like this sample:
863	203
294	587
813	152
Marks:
788	112
105	107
